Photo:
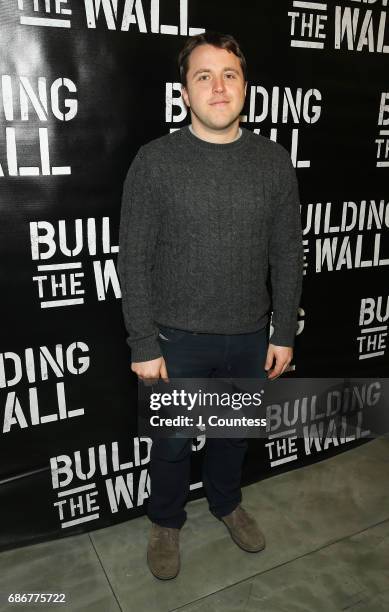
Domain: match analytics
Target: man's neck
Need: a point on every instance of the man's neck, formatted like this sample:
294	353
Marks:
238	135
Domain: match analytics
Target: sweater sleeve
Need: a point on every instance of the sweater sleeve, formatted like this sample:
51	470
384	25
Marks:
285	253
138	233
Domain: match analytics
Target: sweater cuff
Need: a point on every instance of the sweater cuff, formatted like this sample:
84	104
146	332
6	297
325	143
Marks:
283	338
145	349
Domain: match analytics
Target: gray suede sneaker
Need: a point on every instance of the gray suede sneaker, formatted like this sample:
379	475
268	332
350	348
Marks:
244	530
163	552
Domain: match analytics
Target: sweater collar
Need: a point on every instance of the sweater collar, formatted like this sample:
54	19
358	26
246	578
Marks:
213	146
193	132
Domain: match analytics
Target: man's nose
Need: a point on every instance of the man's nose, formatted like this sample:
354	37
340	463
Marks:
218	84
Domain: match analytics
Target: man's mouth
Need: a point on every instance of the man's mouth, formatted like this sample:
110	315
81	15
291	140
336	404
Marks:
219	102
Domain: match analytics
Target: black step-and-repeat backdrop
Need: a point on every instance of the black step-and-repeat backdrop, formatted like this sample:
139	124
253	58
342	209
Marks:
84	83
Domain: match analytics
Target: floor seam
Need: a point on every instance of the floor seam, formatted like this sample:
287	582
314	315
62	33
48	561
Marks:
105	573
266	571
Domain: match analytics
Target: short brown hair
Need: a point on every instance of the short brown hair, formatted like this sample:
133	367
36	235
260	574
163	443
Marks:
222	41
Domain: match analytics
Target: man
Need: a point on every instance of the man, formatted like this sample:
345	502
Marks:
207	211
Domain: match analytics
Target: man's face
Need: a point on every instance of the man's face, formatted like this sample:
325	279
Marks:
215	89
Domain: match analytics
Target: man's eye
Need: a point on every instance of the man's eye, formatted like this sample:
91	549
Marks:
203	77
230	75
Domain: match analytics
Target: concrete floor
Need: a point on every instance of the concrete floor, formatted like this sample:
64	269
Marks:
327	530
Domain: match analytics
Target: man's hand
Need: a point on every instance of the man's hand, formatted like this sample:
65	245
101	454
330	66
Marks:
283	356
150	371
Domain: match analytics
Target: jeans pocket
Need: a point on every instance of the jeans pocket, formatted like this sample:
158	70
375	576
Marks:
170	334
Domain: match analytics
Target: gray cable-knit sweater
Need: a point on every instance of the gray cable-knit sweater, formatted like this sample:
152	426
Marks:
201	225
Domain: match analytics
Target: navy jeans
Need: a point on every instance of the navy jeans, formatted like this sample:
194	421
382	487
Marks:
198	355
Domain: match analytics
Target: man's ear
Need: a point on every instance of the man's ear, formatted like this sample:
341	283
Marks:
245	88
185	96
